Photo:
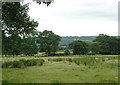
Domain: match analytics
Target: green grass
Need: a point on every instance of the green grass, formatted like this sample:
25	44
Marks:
63	72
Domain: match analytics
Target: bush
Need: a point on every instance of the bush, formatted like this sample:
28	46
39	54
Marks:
13	64
17	64
91	53
67	52
69	59
23	63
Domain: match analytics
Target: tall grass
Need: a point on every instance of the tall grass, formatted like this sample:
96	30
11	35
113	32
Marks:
23	63
85	60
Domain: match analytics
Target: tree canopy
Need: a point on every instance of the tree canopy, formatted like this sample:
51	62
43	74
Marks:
15	19
79	47
48	41
16	24
105	44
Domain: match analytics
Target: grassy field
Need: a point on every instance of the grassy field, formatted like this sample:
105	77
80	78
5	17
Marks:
63	71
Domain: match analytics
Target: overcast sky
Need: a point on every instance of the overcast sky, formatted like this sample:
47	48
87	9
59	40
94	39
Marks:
77	17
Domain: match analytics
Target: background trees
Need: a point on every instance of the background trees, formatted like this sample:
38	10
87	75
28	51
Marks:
66	52
48	41
79	47
95	47
104	44
118	46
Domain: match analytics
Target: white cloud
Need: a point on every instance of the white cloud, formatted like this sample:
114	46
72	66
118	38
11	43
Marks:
77	17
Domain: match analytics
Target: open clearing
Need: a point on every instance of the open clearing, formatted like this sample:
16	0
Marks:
63	72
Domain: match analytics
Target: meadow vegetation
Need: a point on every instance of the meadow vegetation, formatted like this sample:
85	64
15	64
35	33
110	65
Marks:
74	69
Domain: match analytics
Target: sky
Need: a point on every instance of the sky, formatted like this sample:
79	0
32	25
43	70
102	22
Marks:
76	17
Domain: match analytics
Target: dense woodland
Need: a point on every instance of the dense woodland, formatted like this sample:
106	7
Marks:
19	36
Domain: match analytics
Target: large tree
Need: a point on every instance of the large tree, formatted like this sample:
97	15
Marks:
48	41
95	47
118	46
29	46
16	24
79	47
15	19
105	44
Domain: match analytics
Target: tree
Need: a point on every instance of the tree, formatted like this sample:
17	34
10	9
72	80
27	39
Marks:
29	46
113	45
118	46
106	44
15	19
16	24
48	41
66	52
95	47
79	47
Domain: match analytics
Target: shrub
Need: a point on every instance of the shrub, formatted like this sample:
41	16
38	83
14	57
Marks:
67	52
69	59
91	53
17	64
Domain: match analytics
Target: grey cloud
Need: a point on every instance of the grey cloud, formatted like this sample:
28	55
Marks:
88	14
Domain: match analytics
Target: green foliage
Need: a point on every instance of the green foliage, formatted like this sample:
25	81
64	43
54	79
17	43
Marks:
66	52
79	47
91	53
95	47
16	20
16	24
23	63
104	44
119	45
13	64
48	42
29	46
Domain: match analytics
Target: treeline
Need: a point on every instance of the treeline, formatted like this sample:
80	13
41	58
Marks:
45	41
103	44
48	42
18	46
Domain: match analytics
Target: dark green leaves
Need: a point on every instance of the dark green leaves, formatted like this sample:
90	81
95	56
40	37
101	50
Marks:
48	41
79	47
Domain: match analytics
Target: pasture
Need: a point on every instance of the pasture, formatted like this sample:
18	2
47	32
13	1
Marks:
63	69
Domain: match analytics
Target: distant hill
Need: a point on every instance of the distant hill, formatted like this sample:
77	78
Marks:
68	39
